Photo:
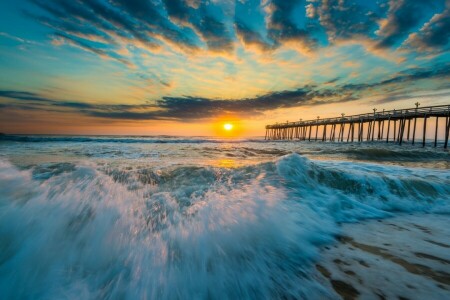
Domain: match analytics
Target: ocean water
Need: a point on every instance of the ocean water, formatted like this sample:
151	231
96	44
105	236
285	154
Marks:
196	218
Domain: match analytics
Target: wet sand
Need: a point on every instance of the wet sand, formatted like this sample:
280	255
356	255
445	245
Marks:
406	257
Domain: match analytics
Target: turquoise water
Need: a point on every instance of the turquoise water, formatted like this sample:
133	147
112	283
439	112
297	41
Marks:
176	217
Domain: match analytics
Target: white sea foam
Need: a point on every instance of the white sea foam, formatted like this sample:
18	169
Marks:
406	256
81	231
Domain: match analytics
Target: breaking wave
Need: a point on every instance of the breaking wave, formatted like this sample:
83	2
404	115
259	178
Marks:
90	231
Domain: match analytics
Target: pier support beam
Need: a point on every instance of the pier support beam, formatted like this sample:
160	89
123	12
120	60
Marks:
395	128
353	132
402	131
379	130
387	135
349	129
447	131
317	130
360	131
409	125
436	132
373	129
424	130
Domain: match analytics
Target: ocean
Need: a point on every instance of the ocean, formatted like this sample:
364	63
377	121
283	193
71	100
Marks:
109	217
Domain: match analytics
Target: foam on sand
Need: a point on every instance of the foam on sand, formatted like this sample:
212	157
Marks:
405	257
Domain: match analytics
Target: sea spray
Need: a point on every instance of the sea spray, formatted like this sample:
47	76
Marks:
79	233
110	230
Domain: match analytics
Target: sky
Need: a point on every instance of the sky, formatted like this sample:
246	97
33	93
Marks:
185	67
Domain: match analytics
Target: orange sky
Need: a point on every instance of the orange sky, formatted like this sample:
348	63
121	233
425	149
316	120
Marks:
190	68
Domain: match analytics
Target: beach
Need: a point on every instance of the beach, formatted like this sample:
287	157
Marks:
404	257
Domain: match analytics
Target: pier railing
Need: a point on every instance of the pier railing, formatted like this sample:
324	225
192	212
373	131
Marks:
375	121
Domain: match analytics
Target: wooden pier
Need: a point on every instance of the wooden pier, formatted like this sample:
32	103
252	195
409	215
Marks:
395	126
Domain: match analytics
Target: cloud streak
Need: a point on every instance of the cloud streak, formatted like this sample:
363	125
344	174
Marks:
434	35
103	27
189	108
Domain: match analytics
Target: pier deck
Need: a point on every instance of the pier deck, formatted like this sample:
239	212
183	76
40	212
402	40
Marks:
390	126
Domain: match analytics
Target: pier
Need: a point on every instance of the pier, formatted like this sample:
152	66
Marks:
396	126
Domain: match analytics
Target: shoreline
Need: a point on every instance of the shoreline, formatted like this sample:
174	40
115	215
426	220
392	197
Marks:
403	257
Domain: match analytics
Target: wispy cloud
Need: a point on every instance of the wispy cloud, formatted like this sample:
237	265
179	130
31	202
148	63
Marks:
18	39
188	108
104	27
434	36
401	18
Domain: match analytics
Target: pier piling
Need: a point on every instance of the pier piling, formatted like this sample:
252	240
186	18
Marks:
334	129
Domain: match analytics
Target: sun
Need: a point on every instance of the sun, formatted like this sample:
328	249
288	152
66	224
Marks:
227	126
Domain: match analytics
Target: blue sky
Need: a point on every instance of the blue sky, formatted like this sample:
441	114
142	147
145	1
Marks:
147	67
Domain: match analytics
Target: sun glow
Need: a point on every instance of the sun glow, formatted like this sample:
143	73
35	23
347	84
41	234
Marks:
228	126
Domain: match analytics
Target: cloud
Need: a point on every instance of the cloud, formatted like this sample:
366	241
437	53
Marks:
217	26
61	38
181	108
114	22
282	28
18	39
406	77
190	25
191	108
434	35
403	16
344	19
402	96
212	28
251	37
21	95
310	10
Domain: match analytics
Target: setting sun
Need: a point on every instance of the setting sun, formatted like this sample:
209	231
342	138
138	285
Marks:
227	126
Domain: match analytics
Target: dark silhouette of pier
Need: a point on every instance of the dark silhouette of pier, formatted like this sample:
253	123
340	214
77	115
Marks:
374	126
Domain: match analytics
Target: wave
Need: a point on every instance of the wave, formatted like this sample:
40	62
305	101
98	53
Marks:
213	148
89	231
351	191
389	153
